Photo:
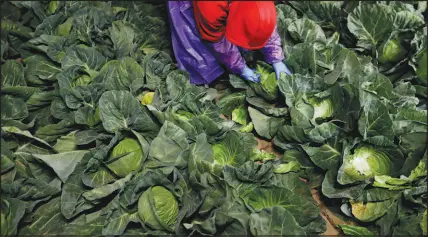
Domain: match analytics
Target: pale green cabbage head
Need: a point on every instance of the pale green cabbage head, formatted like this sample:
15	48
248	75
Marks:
367	162
323	108
127	156
391	51
158	208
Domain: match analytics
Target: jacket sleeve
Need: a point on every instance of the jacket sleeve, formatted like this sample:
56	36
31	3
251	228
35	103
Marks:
229	55
210	18
273	49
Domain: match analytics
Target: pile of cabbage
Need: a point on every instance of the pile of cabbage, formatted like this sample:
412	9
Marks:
101	134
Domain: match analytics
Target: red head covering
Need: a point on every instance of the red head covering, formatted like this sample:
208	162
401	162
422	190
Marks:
248	24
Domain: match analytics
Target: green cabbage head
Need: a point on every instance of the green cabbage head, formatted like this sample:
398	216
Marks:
158	208
391	51
260	155
268	86
323	108
369	211
367	162
147	98
240	115
126	157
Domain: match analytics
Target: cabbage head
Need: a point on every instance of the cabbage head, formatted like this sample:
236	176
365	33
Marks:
366	162
235	149
158	208
369	211
268	86
147	98
126	157
323	108
240	116
247	128
260	155
391	51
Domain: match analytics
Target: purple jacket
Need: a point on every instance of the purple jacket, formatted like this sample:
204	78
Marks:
205	60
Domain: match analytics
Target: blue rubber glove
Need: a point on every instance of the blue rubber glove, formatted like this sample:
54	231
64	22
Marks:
279	68
250	75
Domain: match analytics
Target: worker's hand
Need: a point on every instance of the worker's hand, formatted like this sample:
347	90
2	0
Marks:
250	75
279	68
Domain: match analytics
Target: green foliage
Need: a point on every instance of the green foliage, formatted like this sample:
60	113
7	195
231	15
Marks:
102	135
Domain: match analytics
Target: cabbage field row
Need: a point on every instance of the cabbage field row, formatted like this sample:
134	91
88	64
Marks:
101	134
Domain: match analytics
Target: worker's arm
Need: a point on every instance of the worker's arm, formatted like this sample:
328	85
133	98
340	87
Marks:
229	55
273	49
210	18
274	55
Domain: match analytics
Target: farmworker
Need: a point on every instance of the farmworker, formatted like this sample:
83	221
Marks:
208	36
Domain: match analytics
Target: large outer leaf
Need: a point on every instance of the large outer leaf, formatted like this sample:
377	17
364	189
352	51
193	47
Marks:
17	131
106	190
230	102
332	189
370	23
87	57
260	198
326	156
327	14
168	148
12	74
12	108
119	110
76	96
47	220
265	126
274	221
124	36
306	30
87	21
118	222
29	189
156	66
302	59
266	108
49	25
375	123
124	74
295	86
51	132
40	67
63	163
407	20
12	210
346	66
